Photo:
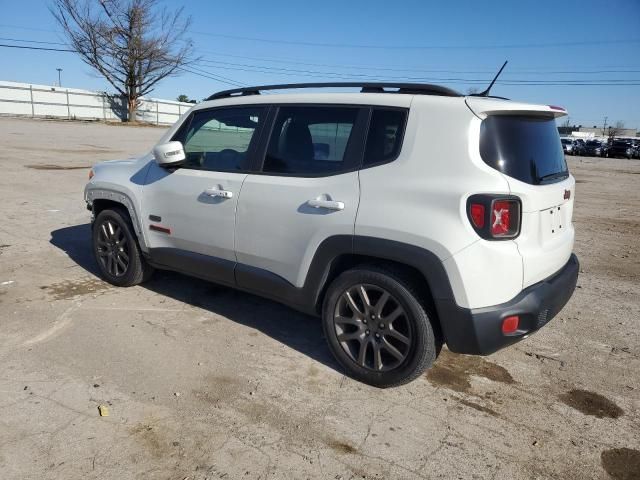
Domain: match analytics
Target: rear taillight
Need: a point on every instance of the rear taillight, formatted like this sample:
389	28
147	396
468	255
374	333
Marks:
494	217
476	212
505	218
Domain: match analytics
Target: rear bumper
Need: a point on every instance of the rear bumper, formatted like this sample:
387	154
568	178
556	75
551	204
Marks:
479	331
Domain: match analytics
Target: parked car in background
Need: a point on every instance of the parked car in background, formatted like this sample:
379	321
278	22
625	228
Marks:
578	147
593	148
622	148
567	146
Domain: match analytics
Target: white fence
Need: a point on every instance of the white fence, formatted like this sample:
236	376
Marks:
23	99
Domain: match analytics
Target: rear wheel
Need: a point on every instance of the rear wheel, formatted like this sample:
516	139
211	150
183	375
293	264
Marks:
116	250
377	327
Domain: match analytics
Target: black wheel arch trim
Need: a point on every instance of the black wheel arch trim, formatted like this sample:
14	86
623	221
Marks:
98	194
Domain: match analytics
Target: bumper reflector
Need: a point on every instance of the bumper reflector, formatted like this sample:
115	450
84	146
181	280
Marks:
510	325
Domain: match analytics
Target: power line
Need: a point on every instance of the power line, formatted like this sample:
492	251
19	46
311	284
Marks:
368	67
339	76
211	76
398	68
422	47
290	72
391	47
37	48
214	76
31	41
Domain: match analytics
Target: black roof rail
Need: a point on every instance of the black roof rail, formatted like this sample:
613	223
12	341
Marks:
365	87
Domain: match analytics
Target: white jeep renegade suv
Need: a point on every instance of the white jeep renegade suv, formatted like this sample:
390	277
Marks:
405	218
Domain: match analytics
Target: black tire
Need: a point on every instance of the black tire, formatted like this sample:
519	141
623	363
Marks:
137	270
421	345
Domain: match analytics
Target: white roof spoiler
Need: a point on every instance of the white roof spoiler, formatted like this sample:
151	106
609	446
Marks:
484	106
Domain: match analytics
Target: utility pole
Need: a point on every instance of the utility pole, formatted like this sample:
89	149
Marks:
604	127
59	82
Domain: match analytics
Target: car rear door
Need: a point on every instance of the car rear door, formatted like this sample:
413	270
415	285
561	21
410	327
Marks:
306	189
189	212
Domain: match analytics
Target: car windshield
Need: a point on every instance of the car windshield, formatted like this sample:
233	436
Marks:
524	147
593	143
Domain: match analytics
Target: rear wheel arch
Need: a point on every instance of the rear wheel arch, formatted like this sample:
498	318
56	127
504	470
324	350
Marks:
425	272
403	335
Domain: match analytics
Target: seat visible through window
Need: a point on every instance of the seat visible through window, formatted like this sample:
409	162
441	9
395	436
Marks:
310	140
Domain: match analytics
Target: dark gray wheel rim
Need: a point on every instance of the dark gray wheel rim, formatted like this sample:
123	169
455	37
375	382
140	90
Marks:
113	248
372	327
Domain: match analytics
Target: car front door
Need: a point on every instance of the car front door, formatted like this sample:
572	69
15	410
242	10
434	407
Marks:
305	191
189	212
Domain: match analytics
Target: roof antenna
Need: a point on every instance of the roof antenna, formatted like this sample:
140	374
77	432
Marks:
486	92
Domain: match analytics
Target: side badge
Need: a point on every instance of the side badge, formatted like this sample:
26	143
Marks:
567	194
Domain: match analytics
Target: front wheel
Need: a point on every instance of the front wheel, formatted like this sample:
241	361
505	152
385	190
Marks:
377	327
116	250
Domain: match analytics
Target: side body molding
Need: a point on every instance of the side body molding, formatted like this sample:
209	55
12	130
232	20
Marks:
326	260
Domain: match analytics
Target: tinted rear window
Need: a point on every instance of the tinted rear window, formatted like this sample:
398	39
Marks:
384	140
523	147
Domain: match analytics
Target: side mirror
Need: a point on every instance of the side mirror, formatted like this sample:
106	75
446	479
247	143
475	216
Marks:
169	154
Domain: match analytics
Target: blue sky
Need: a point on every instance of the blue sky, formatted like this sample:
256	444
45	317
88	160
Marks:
450	43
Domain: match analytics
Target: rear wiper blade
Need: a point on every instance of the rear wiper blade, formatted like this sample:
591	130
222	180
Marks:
552	176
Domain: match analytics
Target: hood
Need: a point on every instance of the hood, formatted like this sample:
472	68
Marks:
122	163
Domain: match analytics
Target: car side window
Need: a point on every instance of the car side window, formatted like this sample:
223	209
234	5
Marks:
220	139
384	139
310	141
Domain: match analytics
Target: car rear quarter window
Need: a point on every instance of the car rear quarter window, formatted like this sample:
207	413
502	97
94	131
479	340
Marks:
523	147
384	139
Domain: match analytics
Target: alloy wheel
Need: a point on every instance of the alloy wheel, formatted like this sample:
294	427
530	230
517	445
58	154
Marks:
372	327
113	248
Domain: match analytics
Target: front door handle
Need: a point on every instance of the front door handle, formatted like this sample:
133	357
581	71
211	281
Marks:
216	192
328	204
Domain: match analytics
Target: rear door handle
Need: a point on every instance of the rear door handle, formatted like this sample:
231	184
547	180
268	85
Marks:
216	192
328	204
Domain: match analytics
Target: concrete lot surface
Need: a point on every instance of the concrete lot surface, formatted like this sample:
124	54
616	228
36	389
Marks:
202	382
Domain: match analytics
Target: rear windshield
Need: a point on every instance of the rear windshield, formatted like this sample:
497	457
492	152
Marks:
527	148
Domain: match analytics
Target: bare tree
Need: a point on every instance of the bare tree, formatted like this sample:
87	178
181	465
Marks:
133	44
615	130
